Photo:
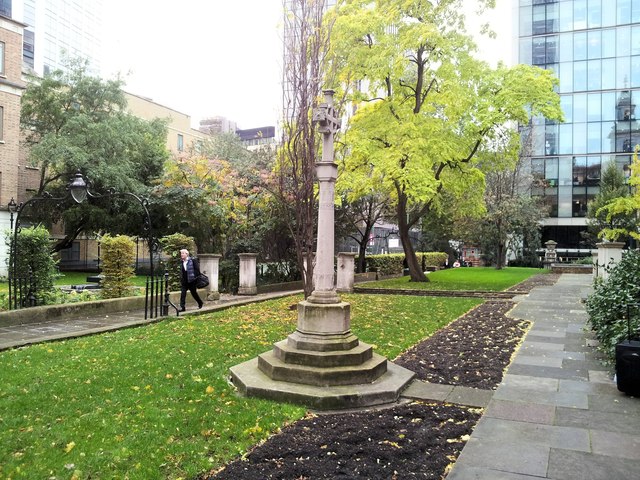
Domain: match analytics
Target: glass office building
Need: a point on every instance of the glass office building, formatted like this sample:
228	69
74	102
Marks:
593	46
58	29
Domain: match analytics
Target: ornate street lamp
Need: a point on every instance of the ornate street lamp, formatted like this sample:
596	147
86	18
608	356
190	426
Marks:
78	189
12	206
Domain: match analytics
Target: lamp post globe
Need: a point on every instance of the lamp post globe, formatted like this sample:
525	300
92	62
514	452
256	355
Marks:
78	188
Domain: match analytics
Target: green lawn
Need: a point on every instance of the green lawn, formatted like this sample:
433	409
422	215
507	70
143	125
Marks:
463	278
154	401
78	278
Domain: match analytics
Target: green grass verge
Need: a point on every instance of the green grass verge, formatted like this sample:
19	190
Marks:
77	278
154	402
473	278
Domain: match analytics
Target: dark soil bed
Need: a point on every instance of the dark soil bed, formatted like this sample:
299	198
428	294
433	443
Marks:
414	440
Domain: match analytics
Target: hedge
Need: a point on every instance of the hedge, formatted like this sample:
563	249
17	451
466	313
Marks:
393	263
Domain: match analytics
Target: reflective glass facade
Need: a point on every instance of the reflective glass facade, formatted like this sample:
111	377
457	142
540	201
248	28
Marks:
593	46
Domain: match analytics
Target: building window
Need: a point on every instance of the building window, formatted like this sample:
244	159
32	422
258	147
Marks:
1	58
180	143
5	8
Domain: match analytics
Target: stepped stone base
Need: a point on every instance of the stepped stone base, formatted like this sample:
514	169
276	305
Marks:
322	365
288	353
252	382
365	372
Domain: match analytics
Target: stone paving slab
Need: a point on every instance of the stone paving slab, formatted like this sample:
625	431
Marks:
471	397
522	412
476	473
419	390
575	400
563	373
594	420
538	361
521	458
569	465
512	432
530	383
616	444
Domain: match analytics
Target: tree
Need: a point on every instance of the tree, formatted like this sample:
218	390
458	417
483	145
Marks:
621	213
73	122
513	216
198	195
613	185
306	42
357	220
427	109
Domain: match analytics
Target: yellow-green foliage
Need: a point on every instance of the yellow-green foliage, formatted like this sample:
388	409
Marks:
393	263
119	255
171	246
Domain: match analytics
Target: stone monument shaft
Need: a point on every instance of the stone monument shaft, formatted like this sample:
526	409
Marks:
328	124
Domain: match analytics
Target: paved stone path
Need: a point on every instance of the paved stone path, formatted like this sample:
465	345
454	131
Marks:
557	414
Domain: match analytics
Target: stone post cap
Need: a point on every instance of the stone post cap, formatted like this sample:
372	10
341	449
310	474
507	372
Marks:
610	245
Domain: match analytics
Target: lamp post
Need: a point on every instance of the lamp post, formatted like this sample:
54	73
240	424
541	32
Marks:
78	190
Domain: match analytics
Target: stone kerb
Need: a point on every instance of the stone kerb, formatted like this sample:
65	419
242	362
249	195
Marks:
210	266
247	284
346	272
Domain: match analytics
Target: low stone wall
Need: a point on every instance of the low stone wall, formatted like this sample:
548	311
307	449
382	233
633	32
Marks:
280	287
571	268
80	309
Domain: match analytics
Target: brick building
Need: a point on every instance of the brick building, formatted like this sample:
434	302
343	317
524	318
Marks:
13	173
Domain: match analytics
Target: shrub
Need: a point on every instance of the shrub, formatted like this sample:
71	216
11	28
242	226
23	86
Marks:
171	246
607	305
34	255
388	264
393	263
118	259
431	259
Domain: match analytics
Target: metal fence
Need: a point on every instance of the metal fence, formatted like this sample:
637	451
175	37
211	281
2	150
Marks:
156	299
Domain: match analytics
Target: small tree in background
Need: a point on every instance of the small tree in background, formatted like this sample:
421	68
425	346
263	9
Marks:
33	254
119	255
613	185
171	246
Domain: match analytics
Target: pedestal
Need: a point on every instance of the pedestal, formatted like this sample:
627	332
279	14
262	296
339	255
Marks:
609	255
210	266
346	272
247	284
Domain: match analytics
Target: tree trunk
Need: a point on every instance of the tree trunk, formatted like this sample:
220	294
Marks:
415	269
362	250
500	256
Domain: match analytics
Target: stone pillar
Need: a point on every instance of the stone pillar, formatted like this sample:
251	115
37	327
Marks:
346	272
247	274
550	254
210	266
609	255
